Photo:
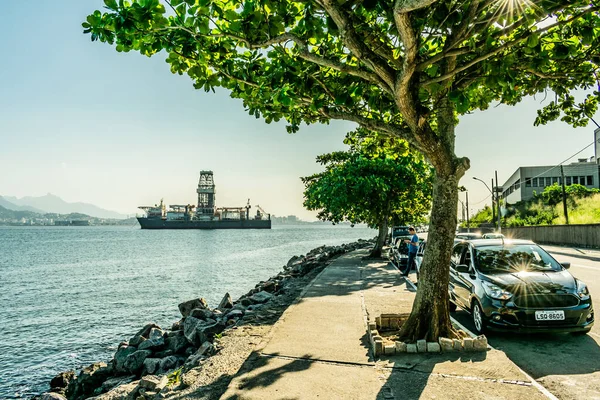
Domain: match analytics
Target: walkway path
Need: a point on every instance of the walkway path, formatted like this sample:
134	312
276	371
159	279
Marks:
318	348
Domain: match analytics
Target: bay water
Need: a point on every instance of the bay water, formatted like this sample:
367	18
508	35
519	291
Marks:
69	295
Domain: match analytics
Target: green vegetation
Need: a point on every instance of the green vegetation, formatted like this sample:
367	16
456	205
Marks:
546	208
377	189
406	69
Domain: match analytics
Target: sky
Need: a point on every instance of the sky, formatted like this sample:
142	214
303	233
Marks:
118	130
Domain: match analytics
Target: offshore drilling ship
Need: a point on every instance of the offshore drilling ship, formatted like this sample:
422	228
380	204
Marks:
205	215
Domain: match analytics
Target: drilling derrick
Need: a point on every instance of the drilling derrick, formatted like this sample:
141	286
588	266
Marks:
206	195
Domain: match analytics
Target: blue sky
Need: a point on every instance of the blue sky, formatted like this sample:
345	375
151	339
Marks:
79	120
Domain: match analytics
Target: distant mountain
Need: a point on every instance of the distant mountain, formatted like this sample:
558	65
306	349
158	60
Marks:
5	203
54	204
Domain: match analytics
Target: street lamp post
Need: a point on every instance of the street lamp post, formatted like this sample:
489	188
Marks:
492	193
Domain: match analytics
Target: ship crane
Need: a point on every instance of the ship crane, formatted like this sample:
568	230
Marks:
260	213
248	206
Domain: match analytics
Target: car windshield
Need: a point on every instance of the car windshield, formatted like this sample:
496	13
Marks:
402	231
513	258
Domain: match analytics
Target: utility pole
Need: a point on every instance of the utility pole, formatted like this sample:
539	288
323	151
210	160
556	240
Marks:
468	226
564	195
498	201
493	206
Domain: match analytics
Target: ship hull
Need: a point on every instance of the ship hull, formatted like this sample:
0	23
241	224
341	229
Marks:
150	223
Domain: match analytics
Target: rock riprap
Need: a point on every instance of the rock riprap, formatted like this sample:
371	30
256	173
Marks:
140	365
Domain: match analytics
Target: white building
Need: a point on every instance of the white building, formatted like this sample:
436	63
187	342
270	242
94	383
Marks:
527	180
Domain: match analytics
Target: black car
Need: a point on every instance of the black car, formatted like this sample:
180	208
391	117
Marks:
516	285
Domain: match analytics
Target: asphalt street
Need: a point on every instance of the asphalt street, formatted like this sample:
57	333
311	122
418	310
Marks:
567	365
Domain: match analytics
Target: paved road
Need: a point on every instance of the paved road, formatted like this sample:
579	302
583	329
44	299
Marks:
567	365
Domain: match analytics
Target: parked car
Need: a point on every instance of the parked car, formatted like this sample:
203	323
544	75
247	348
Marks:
399	254
399	233
419	257
516	285
468	236
492	236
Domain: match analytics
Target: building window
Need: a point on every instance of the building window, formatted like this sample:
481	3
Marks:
568	179
548	181
534	182
554	180
590	180
582	180
527	182
575	180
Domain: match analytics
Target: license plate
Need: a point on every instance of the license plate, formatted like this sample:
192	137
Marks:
550	315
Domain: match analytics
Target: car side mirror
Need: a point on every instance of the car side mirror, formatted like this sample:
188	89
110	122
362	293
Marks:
462	268
566	264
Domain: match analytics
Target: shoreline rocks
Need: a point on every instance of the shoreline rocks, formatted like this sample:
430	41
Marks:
151	363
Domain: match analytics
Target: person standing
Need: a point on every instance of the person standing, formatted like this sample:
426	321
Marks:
413	246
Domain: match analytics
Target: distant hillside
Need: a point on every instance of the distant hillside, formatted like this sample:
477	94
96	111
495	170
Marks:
12	206
6	213
54	204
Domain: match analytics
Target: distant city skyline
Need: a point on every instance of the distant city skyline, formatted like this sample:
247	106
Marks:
118	130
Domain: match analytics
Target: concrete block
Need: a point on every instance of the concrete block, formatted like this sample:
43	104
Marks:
378	346
394	323
378	322
433	347
446	344
422	346
385	323
400	347
457	344
374	333
372	326
468	344
389	349
480	343
411	348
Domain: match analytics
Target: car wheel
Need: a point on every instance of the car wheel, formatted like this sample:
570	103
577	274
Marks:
478	317
451	306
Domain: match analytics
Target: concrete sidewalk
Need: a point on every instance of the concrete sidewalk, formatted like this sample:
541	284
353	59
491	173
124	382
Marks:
318	349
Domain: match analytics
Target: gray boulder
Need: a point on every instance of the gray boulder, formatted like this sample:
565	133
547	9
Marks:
226	302
135	361
186	307
151	365
121	355
155	340
205	332
112	383
61	381
261	297
88	380
202	313
177	343
171	362
153	383
142	334
189	330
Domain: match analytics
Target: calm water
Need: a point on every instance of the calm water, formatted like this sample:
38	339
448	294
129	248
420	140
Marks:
69	295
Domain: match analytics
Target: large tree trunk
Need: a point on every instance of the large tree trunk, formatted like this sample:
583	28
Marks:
430	318
383	230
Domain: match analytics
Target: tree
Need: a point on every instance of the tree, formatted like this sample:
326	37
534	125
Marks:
403	68
376	190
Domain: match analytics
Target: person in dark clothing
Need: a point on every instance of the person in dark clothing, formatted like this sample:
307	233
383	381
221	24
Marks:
413	246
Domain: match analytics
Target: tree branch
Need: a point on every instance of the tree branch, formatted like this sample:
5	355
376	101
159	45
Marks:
405	6
504	47
355	45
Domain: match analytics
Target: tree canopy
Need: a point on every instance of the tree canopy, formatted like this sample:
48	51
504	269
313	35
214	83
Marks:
404	68
377	190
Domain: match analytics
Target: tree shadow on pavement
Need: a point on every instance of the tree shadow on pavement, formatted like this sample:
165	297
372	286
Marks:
408	375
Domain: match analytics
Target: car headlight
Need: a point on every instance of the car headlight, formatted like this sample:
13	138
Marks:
582	291
496	292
